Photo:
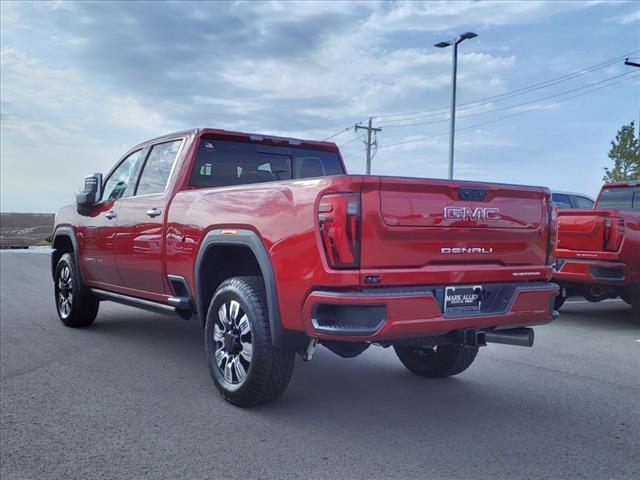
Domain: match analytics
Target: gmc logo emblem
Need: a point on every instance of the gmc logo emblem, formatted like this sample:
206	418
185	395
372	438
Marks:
481	214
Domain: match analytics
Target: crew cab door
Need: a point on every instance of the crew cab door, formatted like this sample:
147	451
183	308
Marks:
97	234
140	237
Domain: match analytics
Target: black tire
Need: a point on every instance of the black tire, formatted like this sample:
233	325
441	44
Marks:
635	307
436	362
560	299
245	379
75	304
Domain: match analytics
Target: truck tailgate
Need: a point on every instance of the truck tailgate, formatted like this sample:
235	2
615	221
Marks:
581	229
414	223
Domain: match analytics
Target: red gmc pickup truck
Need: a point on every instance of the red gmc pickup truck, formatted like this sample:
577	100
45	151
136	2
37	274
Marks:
274	249
599	249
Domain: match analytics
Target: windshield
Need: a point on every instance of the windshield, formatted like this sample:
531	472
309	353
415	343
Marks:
620	198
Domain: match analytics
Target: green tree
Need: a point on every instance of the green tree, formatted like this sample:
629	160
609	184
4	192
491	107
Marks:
625	153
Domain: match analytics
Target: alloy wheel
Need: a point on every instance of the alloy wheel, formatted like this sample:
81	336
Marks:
233	342
65	292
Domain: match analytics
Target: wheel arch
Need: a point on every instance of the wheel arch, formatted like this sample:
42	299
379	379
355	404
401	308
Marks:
219	246
64	241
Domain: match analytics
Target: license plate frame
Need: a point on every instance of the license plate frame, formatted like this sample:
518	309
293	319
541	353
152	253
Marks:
461	299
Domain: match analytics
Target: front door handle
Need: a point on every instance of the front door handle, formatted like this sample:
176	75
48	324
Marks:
153	212
110	214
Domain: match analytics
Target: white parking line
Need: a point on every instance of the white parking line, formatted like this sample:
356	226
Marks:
26	250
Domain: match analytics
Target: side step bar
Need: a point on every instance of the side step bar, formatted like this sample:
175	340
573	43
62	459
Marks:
522	337
143	304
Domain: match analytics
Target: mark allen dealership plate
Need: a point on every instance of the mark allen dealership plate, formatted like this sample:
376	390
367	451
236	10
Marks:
463	299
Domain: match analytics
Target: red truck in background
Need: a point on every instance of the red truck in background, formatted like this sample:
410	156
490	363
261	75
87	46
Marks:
598	253
274	249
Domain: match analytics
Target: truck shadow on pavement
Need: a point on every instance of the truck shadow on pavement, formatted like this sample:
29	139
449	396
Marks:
374	385
608	314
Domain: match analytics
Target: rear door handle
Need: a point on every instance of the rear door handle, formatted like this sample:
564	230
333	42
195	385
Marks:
110	214
153	212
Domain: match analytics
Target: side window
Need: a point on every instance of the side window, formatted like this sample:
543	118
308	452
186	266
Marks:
120	178
561	200
581	202
157	168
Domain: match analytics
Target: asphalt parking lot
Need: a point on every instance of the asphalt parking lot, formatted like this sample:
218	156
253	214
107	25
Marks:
131	397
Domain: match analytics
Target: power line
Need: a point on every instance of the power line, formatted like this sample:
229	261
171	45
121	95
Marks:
351	141
517	92
508	107
505	116
337	133
342	131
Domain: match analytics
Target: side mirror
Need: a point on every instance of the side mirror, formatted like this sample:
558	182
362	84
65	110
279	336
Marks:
91	193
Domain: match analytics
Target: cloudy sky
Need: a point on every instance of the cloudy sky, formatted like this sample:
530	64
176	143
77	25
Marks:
83	82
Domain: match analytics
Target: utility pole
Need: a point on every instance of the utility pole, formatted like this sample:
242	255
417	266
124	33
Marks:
369	128
633	64
454	70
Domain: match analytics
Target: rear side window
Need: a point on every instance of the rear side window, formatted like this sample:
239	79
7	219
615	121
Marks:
561	200
157	168
222	163
581	202
620	198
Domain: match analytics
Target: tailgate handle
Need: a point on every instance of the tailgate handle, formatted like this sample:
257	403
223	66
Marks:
472	193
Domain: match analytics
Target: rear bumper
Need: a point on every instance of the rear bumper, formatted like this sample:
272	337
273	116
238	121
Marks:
380	314
571	270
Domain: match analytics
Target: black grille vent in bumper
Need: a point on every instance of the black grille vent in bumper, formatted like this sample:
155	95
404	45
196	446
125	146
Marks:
348	319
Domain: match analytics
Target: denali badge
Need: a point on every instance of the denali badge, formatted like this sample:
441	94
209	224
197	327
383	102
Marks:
481	214
466	250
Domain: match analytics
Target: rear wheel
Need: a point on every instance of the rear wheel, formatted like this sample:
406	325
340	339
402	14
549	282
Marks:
245	366
76	306
560	299
436	362
631	295
633	298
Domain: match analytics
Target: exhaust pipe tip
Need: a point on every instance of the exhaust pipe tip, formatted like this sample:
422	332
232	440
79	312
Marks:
521	337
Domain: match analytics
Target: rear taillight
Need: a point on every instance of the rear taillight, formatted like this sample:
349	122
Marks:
552	243
613	233
339	223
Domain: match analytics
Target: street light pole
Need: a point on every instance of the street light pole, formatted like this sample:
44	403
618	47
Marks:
454	74
452	114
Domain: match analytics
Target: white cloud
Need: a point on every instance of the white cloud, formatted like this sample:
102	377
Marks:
626	18
109	77
442	15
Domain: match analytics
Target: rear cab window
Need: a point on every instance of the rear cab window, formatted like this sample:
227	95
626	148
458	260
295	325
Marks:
221	163
620	198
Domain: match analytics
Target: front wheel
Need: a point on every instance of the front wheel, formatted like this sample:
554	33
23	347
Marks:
436	362
76	306
245	366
